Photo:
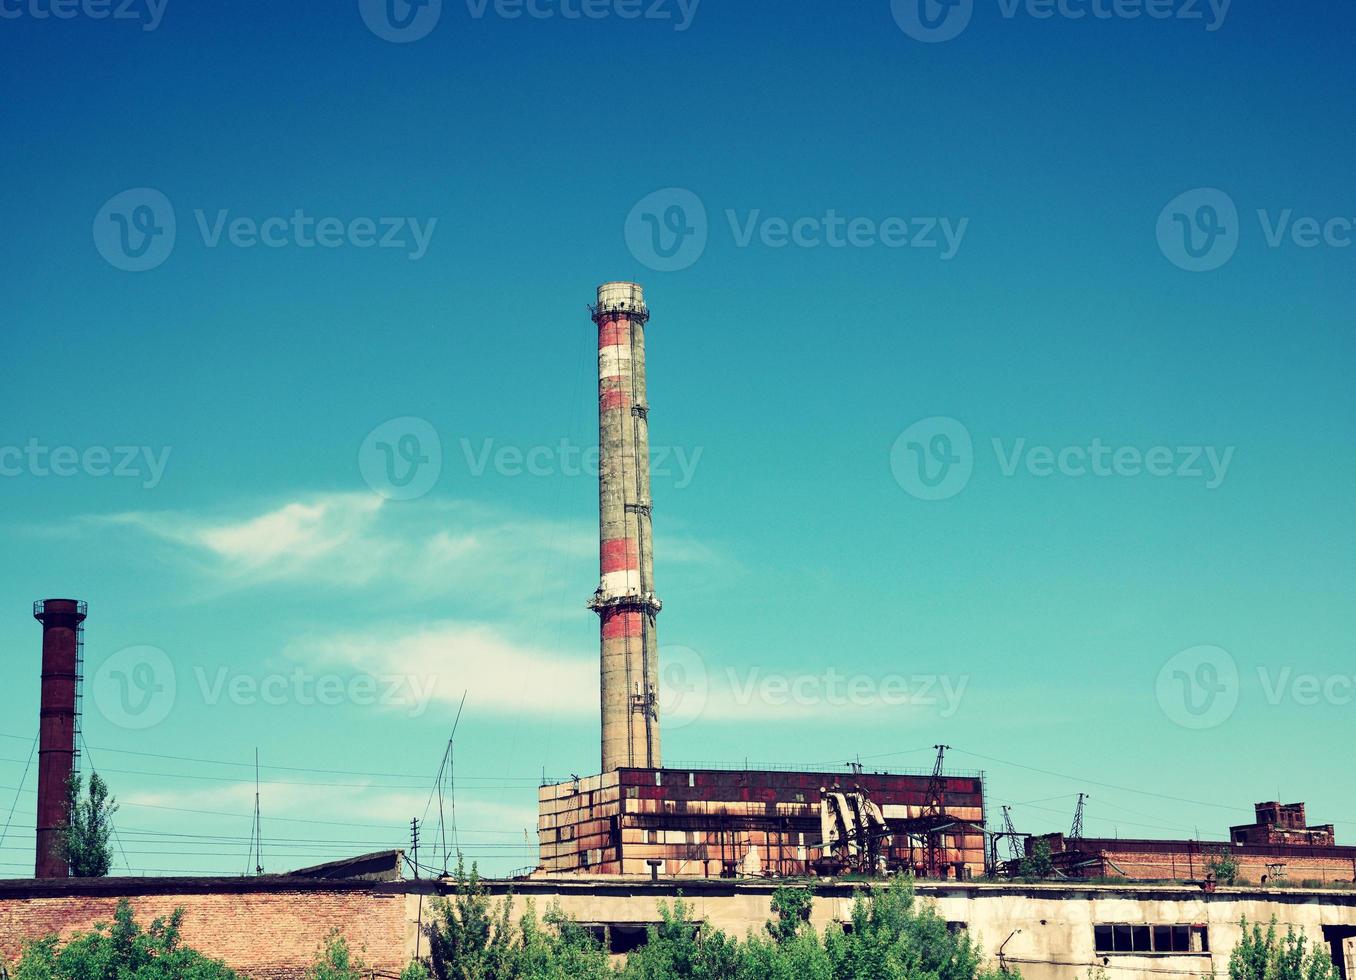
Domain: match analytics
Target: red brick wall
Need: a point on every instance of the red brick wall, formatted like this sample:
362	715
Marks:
1185	864
265	935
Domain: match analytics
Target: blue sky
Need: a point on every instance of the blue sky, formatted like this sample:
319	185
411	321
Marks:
1186	634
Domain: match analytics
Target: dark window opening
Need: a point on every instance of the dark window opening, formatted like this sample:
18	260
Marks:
619	938
1125	938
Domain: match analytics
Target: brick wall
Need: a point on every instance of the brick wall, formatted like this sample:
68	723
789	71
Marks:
265	934
1301	865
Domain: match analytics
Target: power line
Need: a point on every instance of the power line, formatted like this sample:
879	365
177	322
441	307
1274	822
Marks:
277	768
22	781
1124	789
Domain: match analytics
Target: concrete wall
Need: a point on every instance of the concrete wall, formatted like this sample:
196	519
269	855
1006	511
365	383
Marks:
1048	929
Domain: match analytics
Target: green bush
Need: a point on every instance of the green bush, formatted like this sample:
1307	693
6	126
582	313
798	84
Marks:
1038	865
1263	956
336	962
1222	864
121	951
893	936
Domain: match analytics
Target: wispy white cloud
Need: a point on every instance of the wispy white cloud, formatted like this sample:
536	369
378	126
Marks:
360	541
499	674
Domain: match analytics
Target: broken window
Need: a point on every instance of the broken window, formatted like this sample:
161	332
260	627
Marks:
1140	938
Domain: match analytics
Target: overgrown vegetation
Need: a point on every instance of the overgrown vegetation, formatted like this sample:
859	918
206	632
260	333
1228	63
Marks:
892	936
89	824
1038	865
1265	956
121	950
1223	866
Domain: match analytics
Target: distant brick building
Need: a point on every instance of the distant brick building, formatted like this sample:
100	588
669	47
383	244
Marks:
709	823
1285	824
1279	847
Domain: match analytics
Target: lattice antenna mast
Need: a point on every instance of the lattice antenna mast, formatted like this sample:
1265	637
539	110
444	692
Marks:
1076	832
936	795
1011	831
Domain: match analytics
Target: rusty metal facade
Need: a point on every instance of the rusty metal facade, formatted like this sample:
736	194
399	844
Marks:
748	824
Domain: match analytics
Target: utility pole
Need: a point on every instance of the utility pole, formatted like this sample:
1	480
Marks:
414	845
258	823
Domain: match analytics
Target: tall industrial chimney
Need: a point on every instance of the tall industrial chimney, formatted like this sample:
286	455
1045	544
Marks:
625	601
61	653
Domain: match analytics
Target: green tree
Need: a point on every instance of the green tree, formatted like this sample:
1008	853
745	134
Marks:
1222	865
466	939
336	962
562	949
792	907
680	949
1038	865
893	937
121	951
83	842
1265	956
